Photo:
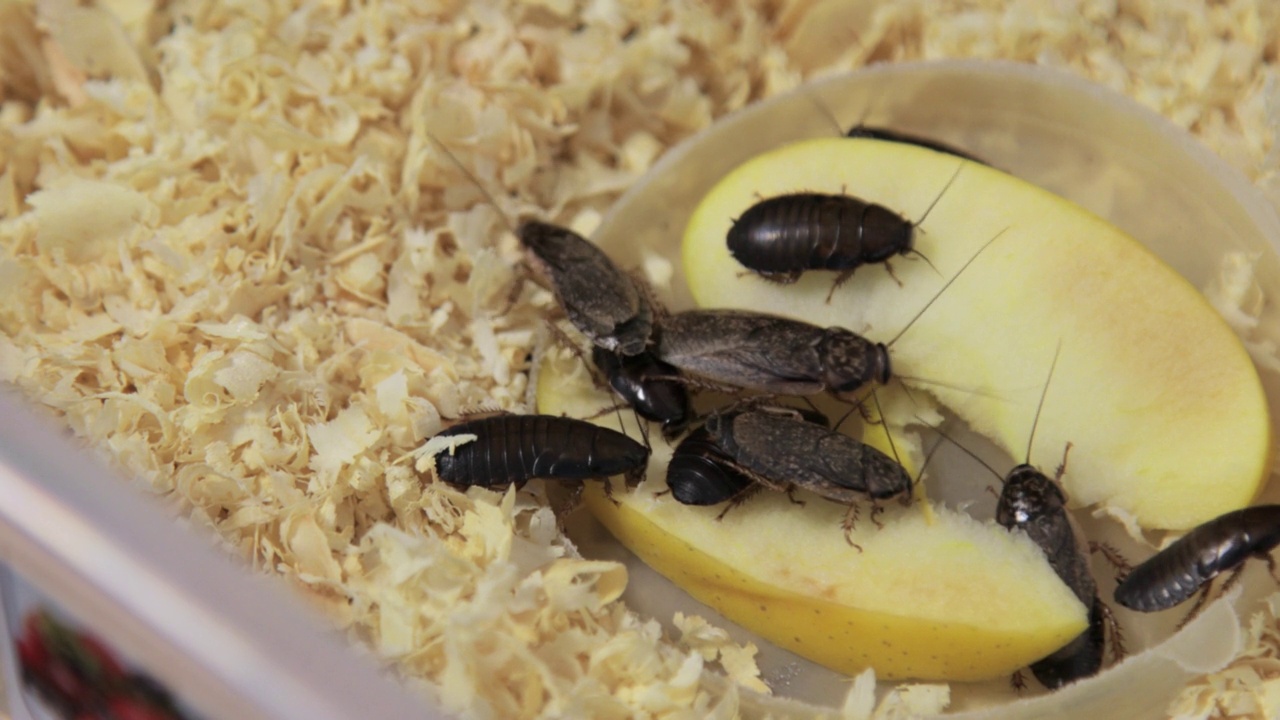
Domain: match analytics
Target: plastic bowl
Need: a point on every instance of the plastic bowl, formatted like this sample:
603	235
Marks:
1065	134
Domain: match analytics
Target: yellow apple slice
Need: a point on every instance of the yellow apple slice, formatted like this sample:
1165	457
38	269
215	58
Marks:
944	598
1161	403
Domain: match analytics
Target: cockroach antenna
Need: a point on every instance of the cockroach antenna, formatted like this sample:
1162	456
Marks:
946	285
1044	392
962	448
503	215
927	459
888	435
826	111
933	204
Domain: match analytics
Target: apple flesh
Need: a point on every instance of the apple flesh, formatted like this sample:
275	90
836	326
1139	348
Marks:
1162	406
933	594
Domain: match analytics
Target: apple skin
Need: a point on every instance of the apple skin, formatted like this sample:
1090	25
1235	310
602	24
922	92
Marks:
955	600
933	594
1161	403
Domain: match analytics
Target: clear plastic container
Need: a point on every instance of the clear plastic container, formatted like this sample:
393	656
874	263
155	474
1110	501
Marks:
1077	139
109	561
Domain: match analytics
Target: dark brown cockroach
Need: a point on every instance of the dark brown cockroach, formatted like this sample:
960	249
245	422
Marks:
1223	544
773	354
781	451
513	449
702	473
880	133
862	130
782	237
1032	502
603	302
648	385
608	306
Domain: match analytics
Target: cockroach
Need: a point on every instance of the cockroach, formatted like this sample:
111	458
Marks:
604	303
702	473
880	133
610	307
774	354
780	449
782	237
648	385
1032	502
1223	544
770	353
513	449
862	130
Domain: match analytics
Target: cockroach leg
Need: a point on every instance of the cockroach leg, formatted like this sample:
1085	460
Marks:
608	492
567	502
792	497
1062	467
738	500
849	523
888	266
1271	566
1113	556
1118	650
876	511
841	279
1017	681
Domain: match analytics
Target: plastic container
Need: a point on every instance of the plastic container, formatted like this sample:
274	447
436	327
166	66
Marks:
109	561
1065	134
233	645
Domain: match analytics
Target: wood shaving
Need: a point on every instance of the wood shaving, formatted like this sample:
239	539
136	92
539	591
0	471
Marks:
236	261
1237	296
1247	688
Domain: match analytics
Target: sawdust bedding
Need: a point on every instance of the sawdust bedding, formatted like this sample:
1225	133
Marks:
236	263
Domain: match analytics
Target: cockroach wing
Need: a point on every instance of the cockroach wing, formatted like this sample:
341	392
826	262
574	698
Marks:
789	451
600	300
744	349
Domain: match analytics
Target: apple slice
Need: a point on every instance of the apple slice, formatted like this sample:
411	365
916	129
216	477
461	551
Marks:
1160	401
942	597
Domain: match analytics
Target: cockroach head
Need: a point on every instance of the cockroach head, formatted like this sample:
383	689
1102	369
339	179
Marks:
886	478
537	235
850	361
1027	495
719	426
